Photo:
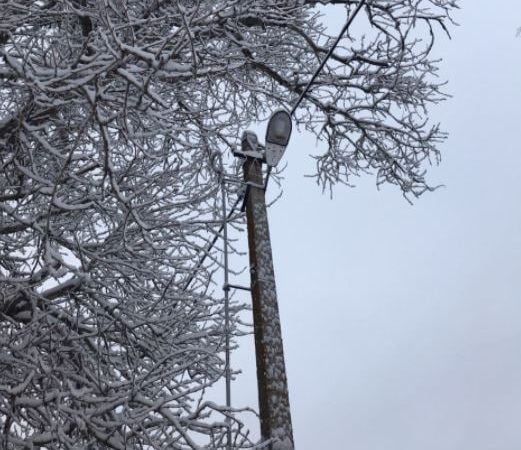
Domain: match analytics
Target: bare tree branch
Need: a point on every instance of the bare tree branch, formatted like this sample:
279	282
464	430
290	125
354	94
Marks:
109	113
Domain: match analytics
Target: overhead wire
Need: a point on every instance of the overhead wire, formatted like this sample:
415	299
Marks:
329	53
319	69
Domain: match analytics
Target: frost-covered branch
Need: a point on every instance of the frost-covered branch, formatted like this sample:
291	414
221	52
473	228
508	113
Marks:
110	111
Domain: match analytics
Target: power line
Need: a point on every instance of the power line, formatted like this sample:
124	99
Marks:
331	50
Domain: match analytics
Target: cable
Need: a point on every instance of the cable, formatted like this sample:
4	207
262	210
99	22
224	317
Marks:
323	63
210	246
268	173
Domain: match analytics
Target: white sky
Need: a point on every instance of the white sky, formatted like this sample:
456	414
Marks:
402	324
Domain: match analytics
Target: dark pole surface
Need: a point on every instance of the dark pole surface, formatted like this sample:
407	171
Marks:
274	409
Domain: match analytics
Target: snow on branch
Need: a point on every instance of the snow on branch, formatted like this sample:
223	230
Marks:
109	112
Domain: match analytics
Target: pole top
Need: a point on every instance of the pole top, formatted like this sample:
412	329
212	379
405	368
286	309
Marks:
250	146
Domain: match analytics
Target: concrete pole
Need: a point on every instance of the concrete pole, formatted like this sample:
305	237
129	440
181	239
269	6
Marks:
274	409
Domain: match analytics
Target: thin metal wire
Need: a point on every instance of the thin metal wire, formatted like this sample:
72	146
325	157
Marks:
268	173
211	245
319	69
226	289
329	53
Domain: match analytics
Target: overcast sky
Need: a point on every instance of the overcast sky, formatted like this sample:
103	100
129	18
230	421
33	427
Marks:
402	324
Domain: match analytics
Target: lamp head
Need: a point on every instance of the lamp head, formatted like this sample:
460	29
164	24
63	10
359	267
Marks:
277	136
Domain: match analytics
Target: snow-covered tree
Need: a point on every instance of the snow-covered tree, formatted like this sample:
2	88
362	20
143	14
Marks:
110	111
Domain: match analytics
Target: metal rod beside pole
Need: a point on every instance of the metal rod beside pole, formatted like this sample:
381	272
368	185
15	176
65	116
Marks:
228	374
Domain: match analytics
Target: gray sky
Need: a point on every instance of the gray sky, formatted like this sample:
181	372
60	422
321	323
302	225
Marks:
402	324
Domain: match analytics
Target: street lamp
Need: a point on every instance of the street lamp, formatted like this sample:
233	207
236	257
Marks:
274	408
278	133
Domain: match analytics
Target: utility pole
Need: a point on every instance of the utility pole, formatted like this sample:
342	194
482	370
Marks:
274	408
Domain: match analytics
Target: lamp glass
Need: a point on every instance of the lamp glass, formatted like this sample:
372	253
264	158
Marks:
279	128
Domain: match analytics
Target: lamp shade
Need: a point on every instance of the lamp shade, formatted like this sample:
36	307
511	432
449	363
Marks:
277	136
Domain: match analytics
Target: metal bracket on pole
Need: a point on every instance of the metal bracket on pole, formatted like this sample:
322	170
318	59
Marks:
229	286
250	147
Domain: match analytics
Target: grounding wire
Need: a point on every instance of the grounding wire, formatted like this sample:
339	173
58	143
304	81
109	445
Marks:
224	230
228	373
